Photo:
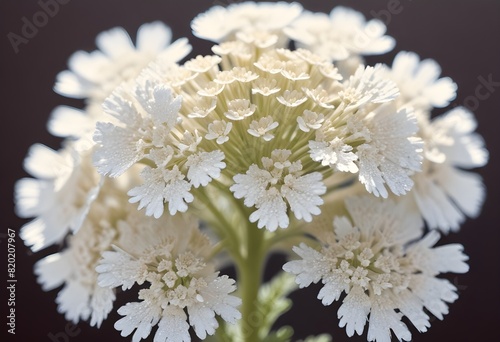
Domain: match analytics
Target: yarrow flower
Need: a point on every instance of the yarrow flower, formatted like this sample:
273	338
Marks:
81	297
150	128
225	23
184	290
343	34
386	271
284	126
59	197
351	127
279	180
443	191
419	82
94	75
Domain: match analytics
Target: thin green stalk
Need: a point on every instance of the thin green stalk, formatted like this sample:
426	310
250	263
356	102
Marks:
250	278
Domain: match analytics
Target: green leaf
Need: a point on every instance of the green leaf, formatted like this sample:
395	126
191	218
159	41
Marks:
273	301
283	334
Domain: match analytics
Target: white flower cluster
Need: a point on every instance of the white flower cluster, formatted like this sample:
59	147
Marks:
385	272
182	285
443	191
268	100
255	136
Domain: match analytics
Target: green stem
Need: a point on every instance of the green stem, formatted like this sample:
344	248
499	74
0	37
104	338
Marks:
250	273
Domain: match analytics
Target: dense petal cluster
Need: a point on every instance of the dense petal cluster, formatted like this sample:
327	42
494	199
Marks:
419	82
225	23
342	34
95	74
81	297
59	197
386	272
184	289
150	128
443	193
252	100
279	180
264	133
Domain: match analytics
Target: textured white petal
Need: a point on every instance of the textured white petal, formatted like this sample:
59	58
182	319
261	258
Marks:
159	186
271	211
303	194
383	319
441	93
150	194
205	166
173	326
251	185
177	195
308	270
119	149
354	311
393	154
434	293
217	296
436	207
41	233
202	319
213	24
175	52
119	269
159	102
412	307
141	316
333	288
101	305
442	259
335	154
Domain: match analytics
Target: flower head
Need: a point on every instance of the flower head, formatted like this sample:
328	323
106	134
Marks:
269	100
81	298
344	33
224	23
444	192
59	197
150	128
419	82
184	290
385	271
94	75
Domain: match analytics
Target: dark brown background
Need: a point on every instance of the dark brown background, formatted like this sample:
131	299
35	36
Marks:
461	35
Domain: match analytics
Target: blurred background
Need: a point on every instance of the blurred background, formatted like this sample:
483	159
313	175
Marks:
461	35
